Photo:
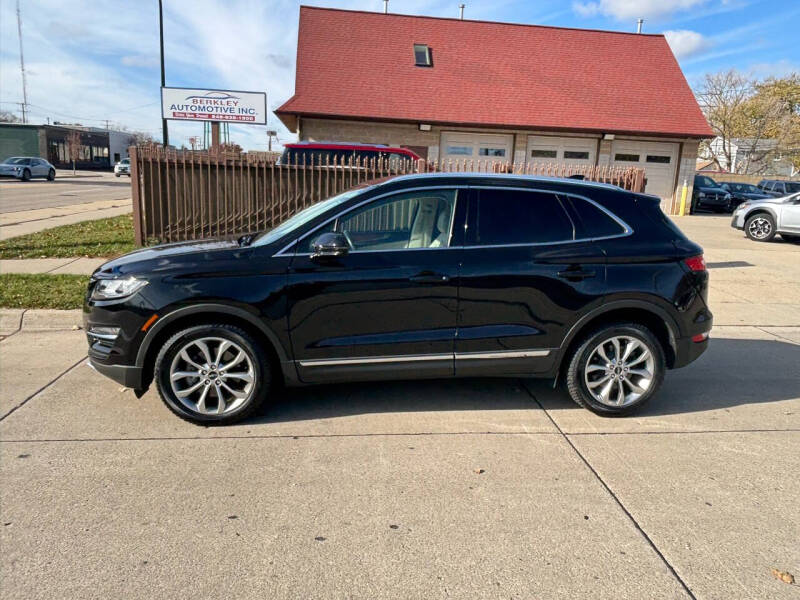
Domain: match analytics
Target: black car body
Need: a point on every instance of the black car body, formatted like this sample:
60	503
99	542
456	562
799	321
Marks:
743	192
778	188
708	194
434	275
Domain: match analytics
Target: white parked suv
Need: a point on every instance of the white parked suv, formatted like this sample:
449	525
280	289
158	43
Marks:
762	219
123	167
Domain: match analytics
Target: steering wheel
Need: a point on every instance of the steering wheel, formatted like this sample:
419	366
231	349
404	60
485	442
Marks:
347	238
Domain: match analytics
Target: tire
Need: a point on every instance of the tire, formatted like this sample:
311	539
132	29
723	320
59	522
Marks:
637	388
202	406
116	174
26	175
760	227
51	175
792	239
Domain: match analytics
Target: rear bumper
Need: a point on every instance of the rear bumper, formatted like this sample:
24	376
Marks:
687	351
123	374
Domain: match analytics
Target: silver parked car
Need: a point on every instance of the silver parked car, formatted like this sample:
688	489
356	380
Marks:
762	219
123	167
26	168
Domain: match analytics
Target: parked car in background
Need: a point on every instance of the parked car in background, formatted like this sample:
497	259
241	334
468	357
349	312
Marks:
742	192
123	167
708	194
762	219
341	152
778	188
27	167
573	281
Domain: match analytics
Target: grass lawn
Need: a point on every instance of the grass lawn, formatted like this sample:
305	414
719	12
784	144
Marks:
42	291
101	238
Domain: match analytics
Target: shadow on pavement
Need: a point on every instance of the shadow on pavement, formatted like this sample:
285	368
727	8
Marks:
730	373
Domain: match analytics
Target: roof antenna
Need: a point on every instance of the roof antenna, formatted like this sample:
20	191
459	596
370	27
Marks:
386	7
639	24
461	11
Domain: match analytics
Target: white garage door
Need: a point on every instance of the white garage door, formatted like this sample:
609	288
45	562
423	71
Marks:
658	159
561	150
476	146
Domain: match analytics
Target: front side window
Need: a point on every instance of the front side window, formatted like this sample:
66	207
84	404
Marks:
504	217
419	219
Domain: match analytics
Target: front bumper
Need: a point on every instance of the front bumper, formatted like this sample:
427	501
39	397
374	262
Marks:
737	222
123	374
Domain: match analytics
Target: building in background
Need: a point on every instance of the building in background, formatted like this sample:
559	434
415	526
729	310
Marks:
749	156
100	148
459	89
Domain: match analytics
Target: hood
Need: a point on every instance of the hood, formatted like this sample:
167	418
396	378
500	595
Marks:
751	195
711	190
168	257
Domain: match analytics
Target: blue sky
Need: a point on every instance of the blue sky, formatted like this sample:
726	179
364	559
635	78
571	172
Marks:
92	60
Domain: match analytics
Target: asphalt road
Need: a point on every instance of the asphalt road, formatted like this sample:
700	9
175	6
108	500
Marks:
66	190
438	489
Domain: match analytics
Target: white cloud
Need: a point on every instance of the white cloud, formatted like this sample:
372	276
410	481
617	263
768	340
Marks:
625	10
686	43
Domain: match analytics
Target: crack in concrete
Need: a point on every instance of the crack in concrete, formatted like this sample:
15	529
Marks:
43	388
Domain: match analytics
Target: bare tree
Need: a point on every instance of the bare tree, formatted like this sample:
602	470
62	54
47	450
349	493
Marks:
74	147
8	117
722	97
142	138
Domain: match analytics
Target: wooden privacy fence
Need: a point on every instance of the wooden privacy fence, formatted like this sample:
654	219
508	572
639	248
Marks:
183	195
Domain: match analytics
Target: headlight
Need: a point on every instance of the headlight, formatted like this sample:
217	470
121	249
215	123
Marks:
111	289
701	195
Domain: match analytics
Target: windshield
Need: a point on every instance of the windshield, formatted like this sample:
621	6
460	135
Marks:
125	161
304	216
15	160
706	181
745	188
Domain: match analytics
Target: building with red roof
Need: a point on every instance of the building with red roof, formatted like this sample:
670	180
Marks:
462	89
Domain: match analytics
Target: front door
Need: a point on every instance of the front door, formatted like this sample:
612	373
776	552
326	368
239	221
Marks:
790	216
390	304
524	281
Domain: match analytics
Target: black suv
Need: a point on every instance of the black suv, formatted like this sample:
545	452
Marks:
418	276
708	194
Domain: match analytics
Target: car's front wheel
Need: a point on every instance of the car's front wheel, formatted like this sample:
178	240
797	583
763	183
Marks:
760	227
51	175
212	374
26	175
616	369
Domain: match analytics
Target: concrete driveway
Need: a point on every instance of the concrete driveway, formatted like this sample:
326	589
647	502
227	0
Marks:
464	489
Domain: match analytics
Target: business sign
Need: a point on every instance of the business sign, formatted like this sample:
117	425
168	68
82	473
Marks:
187	104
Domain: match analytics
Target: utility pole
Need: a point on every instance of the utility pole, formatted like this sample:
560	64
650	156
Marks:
164	131
270	134
22	68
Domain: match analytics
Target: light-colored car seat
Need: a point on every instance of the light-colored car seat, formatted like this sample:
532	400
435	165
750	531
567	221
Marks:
422	227
443	226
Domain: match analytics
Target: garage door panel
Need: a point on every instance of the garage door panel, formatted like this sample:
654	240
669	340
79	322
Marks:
477	146
563	150
658	159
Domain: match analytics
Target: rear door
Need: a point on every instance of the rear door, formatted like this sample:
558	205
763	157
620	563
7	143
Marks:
525	279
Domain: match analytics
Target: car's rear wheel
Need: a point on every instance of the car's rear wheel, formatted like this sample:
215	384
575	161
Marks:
760	227
26	175
212	374
616	369
51	175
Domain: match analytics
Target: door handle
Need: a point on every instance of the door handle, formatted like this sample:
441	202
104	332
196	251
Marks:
429	277
576	274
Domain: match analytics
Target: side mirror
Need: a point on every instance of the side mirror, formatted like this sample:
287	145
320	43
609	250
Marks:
330	245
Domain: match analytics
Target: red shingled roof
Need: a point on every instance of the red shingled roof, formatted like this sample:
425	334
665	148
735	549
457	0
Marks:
360	65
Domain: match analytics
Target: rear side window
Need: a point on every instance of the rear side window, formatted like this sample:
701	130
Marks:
592	222
504	217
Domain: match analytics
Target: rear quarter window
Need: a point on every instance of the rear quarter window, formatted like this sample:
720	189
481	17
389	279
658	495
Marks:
591	221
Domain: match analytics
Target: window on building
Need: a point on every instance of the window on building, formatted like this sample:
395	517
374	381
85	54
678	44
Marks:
422	55
544	154
576	155
655	158
592	221
622	157
518	217
460	150
491	152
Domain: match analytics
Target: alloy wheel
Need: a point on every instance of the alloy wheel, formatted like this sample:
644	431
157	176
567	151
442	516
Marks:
619	371
212	376
760	228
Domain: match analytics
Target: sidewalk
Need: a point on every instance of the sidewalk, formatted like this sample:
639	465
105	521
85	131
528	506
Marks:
30	221
53	266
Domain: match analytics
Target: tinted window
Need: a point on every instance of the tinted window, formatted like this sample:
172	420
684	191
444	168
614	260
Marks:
705	181
792	187
519	217
593	222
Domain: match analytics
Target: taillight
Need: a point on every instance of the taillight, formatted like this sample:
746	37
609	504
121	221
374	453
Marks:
696	263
